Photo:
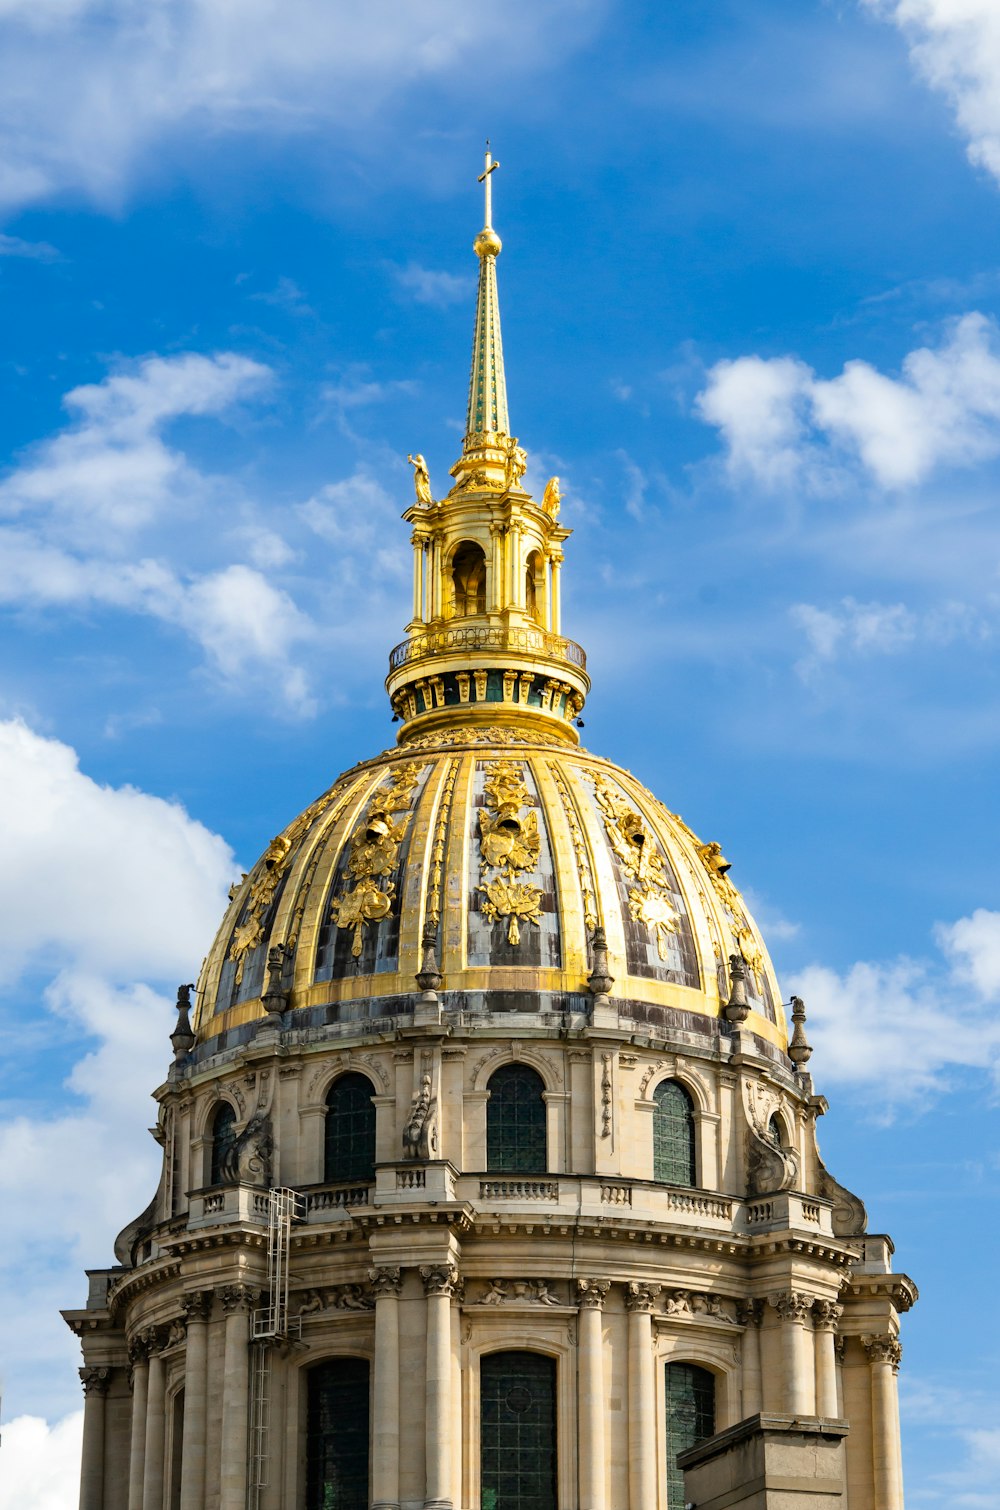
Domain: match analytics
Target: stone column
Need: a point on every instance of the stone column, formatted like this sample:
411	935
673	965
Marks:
826	1318
386	1282
749	1314
95	1389
237	1302
557	561
418	577
884	1353
138	1353
590	1386
440	1283
799	1370
639	1302
197	1307
152	1469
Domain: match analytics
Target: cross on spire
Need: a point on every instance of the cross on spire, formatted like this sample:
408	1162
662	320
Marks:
485	180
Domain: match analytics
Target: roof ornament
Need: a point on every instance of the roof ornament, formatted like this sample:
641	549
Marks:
421	479
737	1007
799	1049
182	1037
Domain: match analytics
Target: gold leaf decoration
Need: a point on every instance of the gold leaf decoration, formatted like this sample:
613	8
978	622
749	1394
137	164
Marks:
509	841
513	900
375	854
649	900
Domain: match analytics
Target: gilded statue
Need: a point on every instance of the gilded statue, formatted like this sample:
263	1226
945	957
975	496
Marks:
516	463
552	498
421	478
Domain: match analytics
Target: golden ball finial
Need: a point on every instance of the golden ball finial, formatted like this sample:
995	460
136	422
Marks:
487	243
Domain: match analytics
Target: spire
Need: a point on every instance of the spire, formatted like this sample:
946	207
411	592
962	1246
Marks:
487	386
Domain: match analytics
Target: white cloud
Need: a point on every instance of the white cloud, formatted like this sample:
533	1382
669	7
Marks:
34	251
107	894
41	1463
781	423
901	1029
91	86
853	629
360	519
955	45
428	286
111	470
110	880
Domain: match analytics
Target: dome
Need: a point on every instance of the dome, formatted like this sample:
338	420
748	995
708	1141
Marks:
506	849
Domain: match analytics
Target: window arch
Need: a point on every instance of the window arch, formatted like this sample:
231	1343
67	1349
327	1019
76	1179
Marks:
534	586
468	575
349	1130
337	1435
673	1135
776	1132
223	1169
690	1410
518	1430
515	1121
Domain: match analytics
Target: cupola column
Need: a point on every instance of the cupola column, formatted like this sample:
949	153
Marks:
797	1355
152	1472
826	1317
139	1354
418	578
197	1308
884	1353
385	1392
237	1303
639	1302
749	1316
591	1293
557	561
440	1281
95	1390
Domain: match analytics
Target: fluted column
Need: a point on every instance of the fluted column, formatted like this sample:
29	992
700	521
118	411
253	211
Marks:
386	1283
139	1357
95	1389
749	1314
440	1281
197	1307
884	1353
557	561
799	1370
639	1302
152	1471
417	542
826	1318
590	1386
237	1303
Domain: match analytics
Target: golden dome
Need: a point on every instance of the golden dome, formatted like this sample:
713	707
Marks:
506	849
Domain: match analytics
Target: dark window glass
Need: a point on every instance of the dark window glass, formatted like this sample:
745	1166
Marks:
690	1418
350	1130
518	1431
224	1171
515	1121
775	1132
337	1436
673	1135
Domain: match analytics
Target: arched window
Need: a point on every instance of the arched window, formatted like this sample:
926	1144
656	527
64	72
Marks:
690	1397
515	1121
349	1133
468	575
776	1132
517	1431
223	1169
673	1135
337	1435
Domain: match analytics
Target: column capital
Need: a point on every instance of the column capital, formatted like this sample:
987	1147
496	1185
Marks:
826	1315
439	1279
749	1312
237	1298
95	1381
386	1279
139	1348
590	1293
883	1349
791	1305
197	1305
641	1299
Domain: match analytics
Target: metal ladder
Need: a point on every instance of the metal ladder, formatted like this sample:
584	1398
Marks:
270	1326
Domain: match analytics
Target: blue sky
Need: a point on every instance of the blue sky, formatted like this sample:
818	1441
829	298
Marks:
750	302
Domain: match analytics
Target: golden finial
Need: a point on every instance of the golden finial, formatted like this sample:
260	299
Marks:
488	243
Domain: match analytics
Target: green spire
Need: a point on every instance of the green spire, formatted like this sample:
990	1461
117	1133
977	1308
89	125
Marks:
488	386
